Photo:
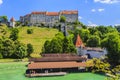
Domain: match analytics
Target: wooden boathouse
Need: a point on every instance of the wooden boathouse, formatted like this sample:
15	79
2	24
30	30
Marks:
55	64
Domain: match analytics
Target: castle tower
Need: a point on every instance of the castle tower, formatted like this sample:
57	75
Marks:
79	44
12	22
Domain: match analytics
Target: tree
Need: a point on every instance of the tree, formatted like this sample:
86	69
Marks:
21	51
62	19
29	49
8	48
1	56
93	41
84	34
92	30
59	44
76	22
29	31
46	48
102	29
112	44
100	66
68	46
55	46
14	34
18	23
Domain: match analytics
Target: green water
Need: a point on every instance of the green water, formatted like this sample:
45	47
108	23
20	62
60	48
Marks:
15	71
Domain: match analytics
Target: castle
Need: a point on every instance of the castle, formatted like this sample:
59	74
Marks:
44	17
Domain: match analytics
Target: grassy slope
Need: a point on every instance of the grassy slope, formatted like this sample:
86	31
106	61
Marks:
37	38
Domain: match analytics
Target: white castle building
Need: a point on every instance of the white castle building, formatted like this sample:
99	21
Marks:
90	52
49	17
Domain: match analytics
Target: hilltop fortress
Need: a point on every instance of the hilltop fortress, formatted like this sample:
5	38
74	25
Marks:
44	17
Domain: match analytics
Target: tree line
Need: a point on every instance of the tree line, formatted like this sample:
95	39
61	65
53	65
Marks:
12	48
59	44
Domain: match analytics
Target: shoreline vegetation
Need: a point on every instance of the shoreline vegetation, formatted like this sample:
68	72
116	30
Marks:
13	60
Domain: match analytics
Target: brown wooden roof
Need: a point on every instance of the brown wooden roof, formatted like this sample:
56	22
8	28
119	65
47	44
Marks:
48	65
58	58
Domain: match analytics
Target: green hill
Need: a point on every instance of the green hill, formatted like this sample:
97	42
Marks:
37	38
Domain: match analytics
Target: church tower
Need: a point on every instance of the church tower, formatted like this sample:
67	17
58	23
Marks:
12	22
79	44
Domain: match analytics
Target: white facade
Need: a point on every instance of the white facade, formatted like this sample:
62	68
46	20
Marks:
52	19
70	17
12	24
37	18
92	52
49	17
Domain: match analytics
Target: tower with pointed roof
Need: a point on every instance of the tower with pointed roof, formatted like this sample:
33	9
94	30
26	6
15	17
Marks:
79	44
12	22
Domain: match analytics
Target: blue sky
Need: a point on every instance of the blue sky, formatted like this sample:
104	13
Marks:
91	12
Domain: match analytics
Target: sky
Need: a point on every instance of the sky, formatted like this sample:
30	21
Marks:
91	12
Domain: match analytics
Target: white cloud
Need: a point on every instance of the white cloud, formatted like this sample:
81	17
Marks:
117	24
101	9
92	24
97	10
1	2
93	10
79	17
107	1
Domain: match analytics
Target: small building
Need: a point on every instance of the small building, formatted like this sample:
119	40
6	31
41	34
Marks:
79	44
90	52
54	64
12	22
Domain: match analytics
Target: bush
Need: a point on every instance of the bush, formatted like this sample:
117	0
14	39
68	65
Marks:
29	49
29	31
14	34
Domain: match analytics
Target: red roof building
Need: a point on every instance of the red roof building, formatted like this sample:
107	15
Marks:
12	19
79	42
55	63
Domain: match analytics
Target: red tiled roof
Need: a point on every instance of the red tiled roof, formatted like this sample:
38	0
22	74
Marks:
12	19
79	42
38	12
48	65
69	12
52	13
